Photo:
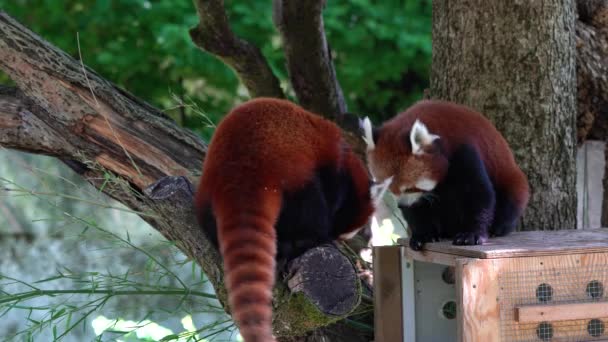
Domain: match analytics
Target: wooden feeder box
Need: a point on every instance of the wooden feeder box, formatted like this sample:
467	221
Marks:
528	286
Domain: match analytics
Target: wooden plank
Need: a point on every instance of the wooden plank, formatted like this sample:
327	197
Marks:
560	312
531	243
388	310
478	313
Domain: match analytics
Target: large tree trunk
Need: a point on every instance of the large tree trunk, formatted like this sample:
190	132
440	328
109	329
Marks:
515	62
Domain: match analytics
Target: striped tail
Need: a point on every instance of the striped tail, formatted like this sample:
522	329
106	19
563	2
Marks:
248	246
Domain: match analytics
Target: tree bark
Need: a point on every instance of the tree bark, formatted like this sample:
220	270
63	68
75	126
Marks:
515	62
309	62
214	35
592	78
63	109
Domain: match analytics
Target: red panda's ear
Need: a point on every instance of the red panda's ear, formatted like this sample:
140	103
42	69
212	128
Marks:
420	137
370	133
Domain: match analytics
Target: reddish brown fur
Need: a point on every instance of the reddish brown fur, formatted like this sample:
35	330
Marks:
456	125
262	149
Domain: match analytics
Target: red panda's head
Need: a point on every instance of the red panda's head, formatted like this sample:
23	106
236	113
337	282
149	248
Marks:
413	156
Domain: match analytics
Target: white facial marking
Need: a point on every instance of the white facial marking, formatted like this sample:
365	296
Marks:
348	236
409	198
426	184
378	190
368	135
420	137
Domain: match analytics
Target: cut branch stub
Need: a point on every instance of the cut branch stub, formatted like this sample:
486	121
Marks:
327	278
213	34
309	62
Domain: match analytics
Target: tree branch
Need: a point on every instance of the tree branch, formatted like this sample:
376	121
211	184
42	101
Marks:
213	34
309	62
23	130
63	109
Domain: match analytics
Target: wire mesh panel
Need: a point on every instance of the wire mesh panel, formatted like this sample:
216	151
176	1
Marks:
552	290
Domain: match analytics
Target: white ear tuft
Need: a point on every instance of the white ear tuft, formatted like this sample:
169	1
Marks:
368	134
420	137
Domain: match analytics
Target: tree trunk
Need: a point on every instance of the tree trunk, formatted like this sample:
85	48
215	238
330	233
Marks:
515	62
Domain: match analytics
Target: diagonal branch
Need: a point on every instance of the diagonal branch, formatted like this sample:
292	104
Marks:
213	34
309	62
23	130
135	154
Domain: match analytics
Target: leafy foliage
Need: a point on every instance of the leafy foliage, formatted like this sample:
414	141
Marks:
381	50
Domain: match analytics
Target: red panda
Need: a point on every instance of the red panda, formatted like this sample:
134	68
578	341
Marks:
277	180
453	173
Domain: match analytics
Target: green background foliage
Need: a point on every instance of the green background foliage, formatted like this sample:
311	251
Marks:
381	50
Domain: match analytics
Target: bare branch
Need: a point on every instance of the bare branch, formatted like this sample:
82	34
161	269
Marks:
309	62
213	34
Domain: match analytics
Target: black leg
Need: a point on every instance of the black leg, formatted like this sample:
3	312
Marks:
208	224
506	215
469	182
304	221
423	220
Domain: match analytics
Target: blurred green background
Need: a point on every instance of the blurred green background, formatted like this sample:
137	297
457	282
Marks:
382	50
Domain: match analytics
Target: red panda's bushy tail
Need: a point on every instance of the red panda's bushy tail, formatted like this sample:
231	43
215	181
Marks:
248	246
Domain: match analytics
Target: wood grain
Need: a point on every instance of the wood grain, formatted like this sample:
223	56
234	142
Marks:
560	312
388	310
477	293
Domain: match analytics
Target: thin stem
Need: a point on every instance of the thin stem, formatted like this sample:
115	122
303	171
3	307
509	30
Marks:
51	293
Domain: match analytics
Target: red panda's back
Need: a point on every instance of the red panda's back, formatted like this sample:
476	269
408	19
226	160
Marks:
261	150
457	125
279	144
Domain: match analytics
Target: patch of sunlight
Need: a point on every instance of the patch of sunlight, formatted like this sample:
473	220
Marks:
188	324
388	224
383	232
144	330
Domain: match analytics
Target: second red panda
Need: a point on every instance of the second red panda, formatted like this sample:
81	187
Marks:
453	173
277	180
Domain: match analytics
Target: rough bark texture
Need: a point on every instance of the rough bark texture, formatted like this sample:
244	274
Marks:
309	62
515	62
592	78
97	129
213	34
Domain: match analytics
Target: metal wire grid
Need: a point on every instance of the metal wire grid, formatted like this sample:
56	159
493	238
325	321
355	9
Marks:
553	286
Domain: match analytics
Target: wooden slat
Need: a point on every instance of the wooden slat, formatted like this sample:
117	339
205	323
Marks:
560	312
532	243
478	313
432	257
388	311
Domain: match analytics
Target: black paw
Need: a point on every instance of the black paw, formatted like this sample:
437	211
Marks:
469	239
417	242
